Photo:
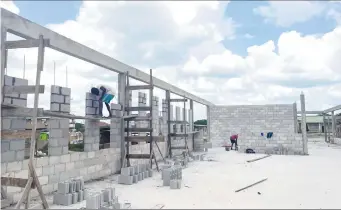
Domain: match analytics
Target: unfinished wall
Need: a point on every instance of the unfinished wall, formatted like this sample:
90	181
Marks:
12	143
91	133
58	143
250	121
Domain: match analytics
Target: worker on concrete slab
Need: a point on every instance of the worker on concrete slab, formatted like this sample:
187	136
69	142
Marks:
106	94
234	139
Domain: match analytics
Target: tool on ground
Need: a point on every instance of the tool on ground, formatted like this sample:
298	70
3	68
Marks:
244	188
253	160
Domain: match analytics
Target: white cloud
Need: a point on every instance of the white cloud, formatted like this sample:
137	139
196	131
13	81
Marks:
9	5
187	53
248	36
287	13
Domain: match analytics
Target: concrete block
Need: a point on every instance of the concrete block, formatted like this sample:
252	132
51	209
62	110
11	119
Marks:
55	98
80	195
67	100
55	107
65	108
55	89
117	206
14	166
136	169
18	124
19	102
126	171
62	199
150	173
5	123
65	91
127	180
174	184
146	174
135	178
55	151
75	197
139	177
107	195
48	170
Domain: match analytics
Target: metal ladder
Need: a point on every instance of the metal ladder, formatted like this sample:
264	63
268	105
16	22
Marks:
128	138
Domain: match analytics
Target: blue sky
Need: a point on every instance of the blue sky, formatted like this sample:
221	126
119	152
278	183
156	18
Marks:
46	12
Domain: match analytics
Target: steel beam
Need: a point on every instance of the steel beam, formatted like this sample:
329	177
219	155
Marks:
24	28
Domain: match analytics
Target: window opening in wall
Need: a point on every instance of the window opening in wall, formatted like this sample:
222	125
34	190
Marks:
174	128
76	142
104	131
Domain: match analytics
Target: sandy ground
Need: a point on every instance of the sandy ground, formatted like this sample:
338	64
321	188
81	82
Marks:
312	181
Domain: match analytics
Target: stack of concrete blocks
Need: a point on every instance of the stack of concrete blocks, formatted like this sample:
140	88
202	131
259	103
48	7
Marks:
13	149
105	199
115	126
133	174
199	141
69	192
165	123
155	110
58	127
91	133
250	121
172	176
142	102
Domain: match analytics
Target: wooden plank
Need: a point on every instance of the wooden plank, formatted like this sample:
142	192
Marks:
25	193
138	156
251	185
138	108
178	122
138	118
179	147
253	160
14	182
144	138
140	87
23	89
138	129
178	100
178	134
37	183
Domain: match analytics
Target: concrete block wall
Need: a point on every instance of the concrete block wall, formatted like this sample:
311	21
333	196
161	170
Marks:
54	169
250	121
142	102
91	133
59	128
13	148
115	126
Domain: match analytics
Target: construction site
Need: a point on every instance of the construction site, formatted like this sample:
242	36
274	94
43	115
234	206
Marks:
152	159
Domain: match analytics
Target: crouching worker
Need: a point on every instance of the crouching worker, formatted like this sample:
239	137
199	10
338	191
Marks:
234	139
106	94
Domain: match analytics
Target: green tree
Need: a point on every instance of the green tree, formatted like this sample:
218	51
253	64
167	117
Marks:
79	127
201	122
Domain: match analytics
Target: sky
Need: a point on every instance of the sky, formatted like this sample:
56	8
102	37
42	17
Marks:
229	53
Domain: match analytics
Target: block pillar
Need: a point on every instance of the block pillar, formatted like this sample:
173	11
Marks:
208	123
171	111
177	118
121	81
142	102
115	126
333	128
325	125
91	133
155	109
304	125
59	128
191	121
13	148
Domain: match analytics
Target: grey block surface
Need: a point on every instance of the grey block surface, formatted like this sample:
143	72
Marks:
74	197
127	180
63	188
62	199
